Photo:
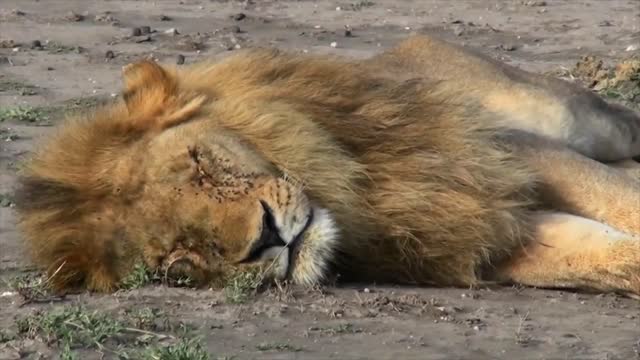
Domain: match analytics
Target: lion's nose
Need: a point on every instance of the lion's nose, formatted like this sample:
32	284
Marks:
270	235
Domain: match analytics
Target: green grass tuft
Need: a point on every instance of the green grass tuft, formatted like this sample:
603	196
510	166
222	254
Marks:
33	287
6	336
140	276
6	200
185	349
22	113
133	336
276	346
346	328
242	286
70	327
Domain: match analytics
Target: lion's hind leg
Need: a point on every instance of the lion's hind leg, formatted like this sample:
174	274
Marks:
569	251
572	183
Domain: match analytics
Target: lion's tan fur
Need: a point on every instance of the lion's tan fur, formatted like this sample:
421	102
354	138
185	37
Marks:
414	172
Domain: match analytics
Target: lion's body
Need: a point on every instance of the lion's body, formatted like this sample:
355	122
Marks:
422	176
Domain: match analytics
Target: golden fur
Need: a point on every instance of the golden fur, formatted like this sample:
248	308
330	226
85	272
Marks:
304	166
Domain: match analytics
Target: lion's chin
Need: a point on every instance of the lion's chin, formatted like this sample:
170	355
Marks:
317	249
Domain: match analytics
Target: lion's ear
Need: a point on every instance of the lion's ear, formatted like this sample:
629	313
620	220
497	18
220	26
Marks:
146	84
153	98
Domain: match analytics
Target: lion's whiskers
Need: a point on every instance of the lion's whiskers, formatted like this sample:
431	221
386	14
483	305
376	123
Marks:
266	270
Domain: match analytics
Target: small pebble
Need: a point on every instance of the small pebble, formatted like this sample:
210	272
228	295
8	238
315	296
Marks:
136	31
507	47
71	16
172	31
180	59
632	48
142	39
188	45
106	17
347	31
165	18
239	16
535	3
50	68
109	54
334	44
36	44
145	30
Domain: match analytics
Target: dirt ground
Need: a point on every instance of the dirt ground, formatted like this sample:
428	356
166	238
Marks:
58	55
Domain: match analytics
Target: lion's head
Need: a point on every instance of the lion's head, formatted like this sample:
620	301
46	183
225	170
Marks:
224	206
153	179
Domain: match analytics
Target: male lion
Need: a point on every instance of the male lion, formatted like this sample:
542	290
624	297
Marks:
426	164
